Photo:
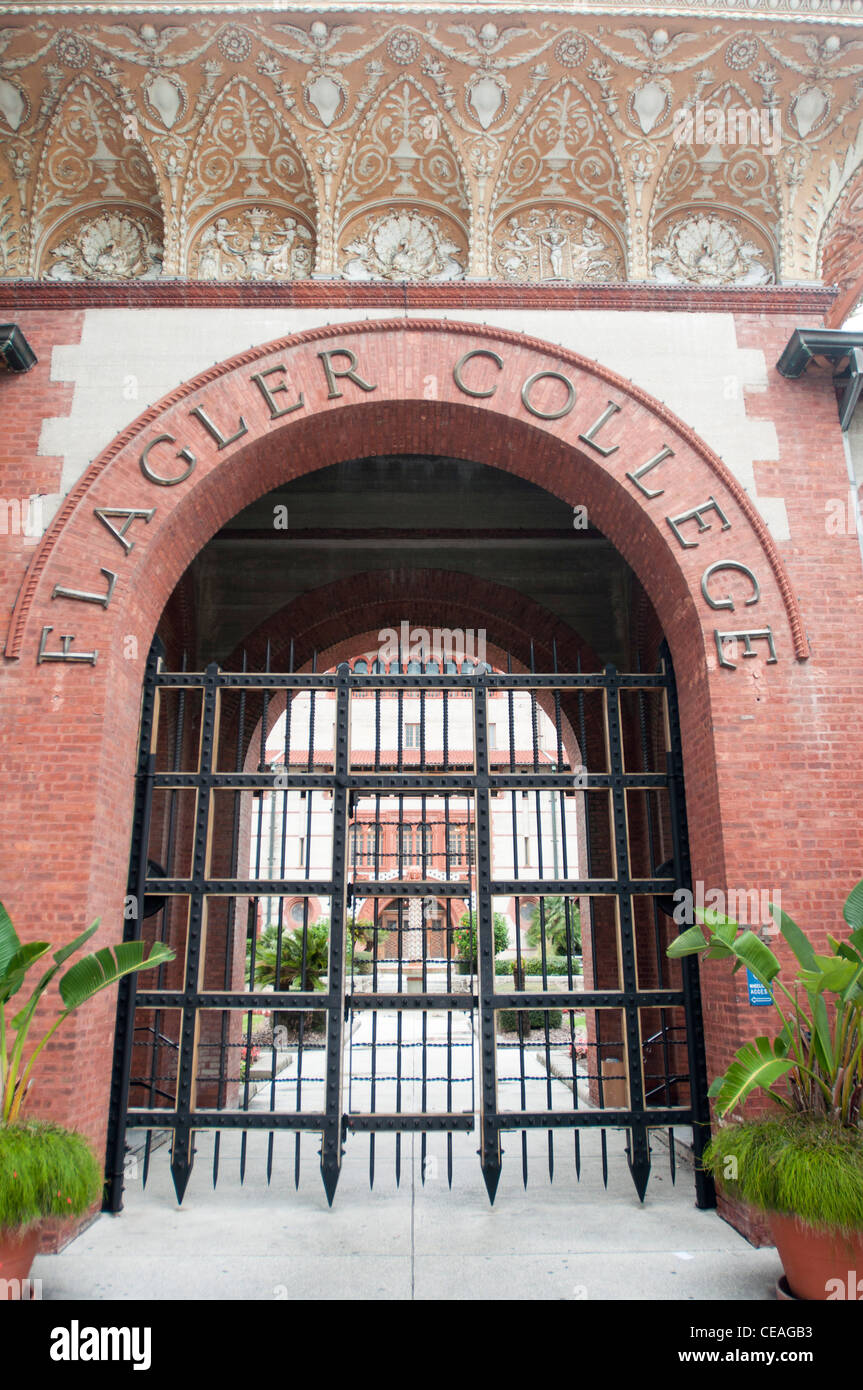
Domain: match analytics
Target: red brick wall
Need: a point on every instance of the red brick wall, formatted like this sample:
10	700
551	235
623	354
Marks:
25	401
773	770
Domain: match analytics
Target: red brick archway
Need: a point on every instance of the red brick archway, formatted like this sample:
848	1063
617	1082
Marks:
342	620
329	620
182	474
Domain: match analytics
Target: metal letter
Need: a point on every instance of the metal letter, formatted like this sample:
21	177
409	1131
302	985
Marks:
747	638
65	655
457	370
664	453
675	522
552	414
83	597
610	409
184	454
269	392
221	441
130	513
728	565
350	373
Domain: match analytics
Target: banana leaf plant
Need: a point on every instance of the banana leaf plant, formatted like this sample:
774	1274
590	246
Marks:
818	1054
89	975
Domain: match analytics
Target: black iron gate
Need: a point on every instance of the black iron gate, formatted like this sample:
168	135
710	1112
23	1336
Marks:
424	899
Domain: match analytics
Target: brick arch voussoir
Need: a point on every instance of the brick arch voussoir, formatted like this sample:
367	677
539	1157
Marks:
322	618
333	624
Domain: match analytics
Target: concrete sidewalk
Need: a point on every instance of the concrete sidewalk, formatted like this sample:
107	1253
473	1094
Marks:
566	1239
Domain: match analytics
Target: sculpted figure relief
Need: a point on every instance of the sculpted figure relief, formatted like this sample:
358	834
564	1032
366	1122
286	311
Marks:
555	244
257	245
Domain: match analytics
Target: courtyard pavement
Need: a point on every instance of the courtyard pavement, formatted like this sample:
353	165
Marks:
571	1239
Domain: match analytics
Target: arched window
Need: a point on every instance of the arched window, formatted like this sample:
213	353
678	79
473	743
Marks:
364	842
461	844
406	845
424	842
361	668
415	844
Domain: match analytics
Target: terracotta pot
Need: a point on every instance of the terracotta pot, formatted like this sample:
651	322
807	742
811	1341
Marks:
819	1264
17	1253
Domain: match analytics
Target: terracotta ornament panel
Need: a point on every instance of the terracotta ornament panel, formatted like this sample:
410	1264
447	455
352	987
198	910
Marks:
530	148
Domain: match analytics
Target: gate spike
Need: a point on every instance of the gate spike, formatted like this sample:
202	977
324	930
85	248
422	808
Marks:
182	1159
331	1172
639	1167
491	1175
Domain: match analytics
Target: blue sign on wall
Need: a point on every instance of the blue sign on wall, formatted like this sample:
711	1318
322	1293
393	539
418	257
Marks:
757	992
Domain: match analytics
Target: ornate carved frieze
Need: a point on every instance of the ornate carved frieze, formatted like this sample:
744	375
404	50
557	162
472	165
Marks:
842	248
555	243
409	244
89	159
107	246
273	145
254	243
244	151
706	249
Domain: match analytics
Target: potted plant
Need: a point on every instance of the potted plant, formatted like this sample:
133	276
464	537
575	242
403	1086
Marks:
802	1160
46	1170
464	939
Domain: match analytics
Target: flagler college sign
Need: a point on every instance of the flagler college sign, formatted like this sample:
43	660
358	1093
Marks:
168	458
